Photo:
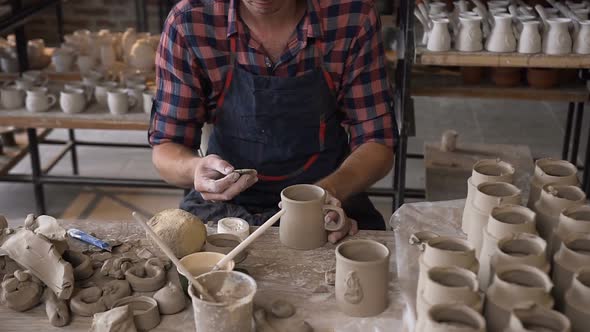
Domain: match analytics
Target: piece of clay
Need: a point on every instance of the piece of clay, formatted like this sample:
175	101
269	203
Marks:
20	292
57	310
115	290
170	299
30	222
49	228
88	302
282	309
246	171
3	222
145	311
122	248
101	256
107	266
39	256
116	267
330	277
144	253
183	232
81	263
118	319
146	277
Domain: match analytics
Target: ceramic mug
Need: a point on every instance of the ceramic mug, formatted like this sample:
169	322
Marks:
303	225
136	90
72	100
148	100
100	92
11	97
88	90
119	101
38	100
362	277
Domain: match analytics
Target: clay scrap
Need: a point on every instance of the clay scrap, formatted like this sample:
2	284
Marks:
145	311
57	310
118	319
115	290
21	291
146	277
81	264
170	299
88	302
116	267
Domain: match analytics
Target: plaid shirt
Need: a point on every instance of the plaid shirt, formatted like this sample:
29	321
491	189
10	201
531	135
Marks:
193	59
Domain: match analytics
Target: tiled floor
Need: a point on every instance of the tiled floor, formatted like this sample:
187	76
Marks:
539	125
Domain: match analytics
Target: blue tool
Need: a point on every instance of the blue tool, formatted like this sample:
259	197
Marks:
87	238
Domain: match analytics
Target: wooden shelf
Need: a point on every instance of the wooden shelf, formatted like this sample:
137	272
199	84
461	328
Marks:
12	155
489	59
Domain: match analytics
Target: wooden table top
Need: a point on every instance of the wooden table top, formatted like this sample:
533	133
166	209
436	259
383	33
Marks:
280	273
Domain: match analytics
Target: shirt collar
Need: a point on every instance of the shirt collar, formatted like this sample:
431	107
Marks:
311	21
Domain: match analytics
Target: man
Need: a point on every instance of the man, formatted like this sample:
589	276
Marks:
295	89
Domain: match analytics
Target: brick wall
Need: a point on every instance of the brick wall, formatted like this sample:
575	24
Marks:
116	15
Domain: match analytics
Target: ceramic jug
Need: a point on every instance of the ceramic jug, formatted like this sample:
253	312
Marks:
556	38
582	37
513	287
127	40
488	196
439	38
142	55
39	100
529	40
548	170
303	225
577	301
502	37
469	34
537	318
572	220
426	25
453	317
573	255
554	199
485	170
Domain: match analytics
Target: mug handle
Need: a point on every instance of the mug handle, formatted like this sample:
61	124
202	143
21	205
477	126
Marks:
341	220
52	100
132	101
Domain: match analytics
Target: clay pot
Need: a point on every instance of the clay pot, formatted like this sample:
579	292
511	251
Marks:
146	277
573	255
441	251
488	196
472	75
542	78
550	170
362	277
486	170
520	249
448	285
504	220
145	311
506	77
577	301
572	220
453	317
554	199
537	318
515	286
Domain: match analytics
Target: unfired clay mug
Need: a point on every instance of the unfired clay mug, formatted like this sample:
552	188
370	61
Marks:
303	225
362	277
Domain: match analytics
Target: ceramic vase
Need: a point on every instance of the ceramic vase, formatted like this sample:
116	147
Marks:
469	35
577	301
486	170
504	220
440	251
449	284
582	37
556	38
515	286
529	40
537	318
573	220
550	170
554	199
502	38
453	317
488	196
573	255
439	39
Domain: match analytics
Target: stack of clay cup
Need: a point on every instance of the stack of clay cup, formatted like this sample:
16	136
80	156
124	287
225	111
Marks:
533	261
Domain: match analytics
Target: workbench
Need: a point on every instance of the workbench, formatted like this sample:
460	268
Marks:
280	273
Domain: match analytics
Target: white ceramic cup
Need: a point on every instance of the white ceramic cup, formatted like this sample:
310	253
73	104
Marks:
148	99
11	97
100	92
119	101
88	90
35	76
72	100
85	63
136	90
39	100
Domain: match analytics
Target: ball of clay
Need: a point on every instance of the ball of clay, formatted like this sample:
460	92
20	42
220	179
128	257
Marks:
183	232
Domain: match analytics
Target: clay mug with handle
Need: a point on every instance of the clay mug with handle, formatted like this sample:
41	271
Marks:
119	101
38	100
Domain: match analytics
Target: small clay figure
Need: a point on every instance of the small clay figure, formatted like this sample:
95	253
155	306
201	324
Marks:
146	277
282	309
20	291
88	302
119	319
57	310
81	263
170	299
114	290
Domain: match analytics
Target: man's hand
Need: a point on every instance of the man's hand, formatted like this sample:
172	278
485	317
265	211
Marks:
215	179
350	227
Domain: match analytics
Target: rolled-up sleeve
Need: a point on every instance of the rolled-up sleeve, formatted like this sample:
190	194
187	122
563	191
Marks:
178	113
366	96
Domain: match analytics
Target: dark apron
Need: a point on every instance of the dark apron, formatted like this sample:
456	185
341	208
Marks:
289	130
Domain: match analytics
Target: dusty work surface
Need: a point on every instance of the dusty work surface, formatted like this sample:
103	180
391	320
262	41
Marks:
280	273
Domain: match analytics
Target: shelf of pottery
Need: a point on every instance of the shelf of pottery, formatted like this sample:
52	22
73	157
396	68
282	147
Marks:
503	33
89	72
521	266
